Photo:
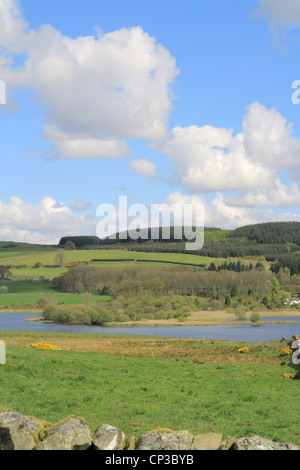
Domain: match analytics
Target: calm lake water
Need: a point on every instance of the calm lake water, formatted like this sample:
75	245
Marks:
246	333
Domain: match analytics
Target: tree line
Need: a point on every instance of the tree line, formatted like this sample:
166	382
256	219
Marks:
142	292
236	266
272	240
140	280
270	233
290	261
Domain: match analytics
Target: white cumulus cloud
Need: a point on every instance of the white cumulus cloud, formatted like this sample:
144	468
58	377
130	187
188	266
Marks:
209	159
42	223
143	167
97	91
219	213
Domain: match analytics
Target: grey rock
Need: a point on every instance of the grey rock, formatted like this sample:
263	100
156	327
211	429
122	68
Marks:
227	443
130	443
258	443
16	431
170	440
72	434
292	339
207	441
107	437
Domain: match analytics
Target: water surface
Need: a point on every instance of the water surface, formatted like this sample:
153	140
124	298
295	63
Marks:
244	333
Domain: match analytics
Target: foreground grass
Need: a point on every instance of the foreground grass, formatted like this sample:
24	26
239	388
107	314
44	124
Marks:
142	383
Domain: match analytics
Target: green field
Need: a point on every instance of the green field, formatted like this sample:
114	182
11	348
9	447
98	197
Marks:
23	300
26	294
19	287
22	261
140	391
137	383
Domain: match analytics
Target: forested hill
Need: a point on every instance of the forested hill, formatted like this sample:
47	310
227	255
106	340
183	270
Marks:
271	240
271	232
276	242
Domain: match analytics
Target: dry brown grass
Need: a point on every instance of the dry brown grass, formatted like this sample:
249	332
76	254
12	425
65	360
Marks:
217	317
184	350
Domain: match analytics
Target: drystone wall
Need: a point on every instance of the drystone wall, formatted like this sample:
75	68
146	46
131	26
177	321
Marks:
19	432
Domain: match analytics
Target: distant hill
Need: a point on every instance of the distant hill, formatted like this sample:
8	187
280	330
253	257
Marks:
166	239
271	232
270	240
17	246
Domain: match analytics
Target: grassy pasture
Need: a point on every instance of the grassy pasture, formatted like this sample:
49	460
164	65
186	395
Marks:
23	261
11	300
19	287
140	384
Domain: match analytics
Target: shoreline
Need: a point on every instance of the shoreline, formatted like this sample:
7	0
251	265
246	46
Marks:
199	318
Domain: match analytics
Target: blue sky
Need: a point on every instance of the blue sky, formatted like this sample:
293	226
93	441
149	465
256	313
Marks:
162	101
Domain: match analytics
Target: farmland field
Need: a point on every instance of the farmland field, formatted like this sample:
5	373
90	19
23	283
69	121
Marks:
23	262
20	300
139	384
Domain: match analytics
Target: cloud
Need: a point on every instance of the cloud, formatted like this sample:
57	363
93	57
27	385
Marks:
12	28
216	213
209	159
143	167
81	205
268	139
280	13
97	91
219	213
48	221
281	196
78	149
45	222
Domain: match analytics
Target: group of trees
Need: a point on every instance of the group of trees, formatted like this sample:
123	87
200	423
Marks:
230	248
141	293
5	272
78	314
80	241
271	240
236	266
123	309
270	233
138	280
149	292
290	261
251	288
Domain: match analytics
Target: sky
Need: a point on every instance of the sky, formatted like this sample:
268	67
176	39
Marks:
162	101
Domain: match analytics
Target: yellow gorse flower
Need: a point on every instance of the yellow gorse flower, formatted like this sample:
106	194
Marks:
287	351
243	350
44	346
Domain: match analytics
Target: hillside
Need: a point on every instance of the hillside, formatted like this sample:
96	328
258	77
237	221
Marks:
233	269
270	233
276	242
270	240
